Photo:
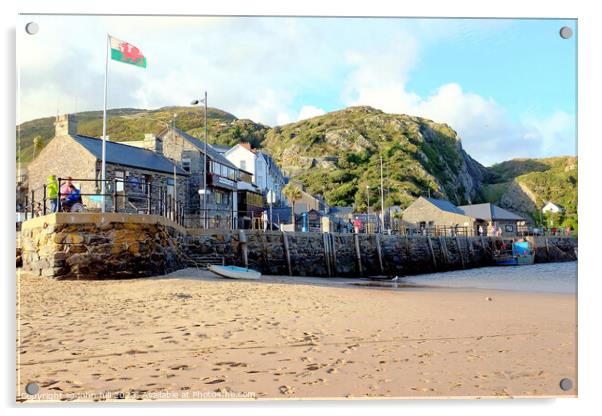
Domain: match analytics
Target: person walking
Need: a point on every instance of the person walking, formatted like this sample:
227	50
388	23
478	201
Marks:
265	220
52	192
357	225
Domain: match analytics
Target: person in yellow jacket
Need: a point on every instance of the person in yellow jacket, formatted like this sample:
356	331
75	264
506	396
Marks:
52	192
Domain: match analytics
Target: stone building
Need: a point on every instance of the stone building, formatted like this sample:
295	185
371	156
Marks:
264	170
495	218
129	170
430	213
437	214
222	176
308	202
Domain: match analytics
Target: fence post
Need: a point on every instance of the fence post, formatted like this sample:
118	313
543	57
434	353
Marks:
58	196
161	200
148	199
33	204
44	199
114	195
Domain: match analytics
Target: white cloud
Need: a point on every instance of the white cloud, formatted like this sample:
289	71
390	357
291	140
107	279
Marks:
309	111
261	68
487	132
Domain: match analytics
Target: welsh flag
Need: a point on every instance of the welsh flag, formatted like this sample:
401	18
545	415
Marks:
124	52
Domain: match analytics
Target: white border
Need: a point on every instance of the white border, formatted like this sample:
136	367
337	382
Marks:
589	154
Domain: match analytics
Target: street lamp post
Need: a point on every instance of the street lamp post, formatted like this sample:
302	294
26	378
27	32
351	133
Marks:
204	190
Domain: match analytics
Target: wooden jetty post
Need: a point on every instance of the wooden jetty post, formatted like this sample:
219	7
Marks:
470	248
443	245
242	239
379	252
287	253
460	252
333	253
326	253
430	243
358	254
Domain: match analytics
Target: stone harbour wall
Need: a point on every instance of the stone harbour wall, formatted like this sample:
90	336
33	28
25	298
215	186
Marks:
56	247
356	255
114	246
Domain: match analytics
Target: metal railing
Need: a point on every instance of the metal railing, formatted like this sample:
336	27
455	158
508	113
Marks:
440	231
232	219
121	196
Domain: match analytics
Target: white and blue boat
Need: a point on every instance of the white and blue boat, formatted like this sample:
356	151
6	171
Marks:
234	272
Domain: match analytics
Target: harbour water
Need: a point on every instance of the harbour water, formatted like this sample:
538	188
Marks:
543	277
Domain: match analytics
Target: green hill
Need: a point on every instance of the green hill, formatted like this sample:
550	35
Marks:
127	124
526	185
338	154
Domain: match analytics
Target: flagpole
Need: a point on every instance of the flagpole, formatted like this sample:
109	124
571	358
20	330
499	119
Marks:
205	169
104	131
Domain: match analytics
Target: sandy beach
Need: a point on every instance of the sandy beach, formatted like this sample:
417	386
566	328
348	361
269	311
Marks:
192	336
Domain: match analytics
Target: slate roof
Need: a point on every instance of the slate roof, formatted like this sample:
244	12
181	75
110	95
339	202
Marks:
489	212
212	153
445	206
221	148
122	154
340	211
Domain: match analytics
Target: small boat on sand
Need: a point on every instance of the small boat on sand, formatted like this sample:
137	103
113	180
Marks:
520	255
234	272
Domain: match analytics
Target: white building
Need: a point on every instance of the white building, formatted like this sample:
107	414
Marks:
552	207
266	173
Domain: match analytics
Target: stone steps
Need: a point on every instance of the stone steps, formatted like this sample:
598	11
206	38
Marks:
199	260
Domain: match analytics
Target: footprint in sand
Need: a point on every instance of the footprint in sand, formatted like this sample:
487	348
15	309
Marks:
286	390
216	381
231	364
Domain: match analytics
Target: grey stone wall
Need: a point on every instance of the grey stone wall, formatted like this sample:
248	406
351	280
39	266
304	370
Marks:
97	246
99	249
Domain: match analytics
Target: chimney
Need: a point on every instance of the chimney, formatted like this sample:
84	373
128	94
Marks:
246	145
154	143
65	125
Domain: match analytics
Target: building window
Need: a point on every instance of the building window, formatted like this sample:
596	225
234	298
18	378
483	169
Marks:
186	164
119	179
243	164
170	187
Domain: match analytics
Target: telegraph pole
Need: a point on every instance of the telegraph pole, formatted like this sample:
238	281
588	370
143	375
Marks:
382	196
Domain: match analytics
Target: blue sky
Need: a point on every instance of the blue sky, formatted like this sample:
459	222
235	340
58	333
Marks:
506	86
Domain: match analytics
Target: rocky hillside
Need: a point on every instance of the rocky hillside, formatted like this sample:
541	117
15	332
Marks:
338	155
131	124
526	185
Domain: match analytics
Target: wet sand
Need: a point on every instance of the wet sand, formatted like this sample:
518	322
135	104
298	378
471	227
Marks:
194	336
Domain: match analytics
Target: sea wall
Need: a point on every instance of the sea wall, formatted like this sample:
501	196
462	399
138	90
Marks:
329	255
97	246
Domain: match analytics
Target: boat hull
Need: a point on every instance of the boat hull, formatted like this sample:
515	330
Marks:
234	272
516	261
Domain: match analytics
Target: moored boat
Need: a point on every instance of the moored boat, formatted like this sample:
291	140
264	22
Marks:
234	272
520	255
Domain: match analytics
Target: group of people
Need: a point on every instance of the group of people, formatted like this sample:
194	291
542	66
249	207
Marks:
68	194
